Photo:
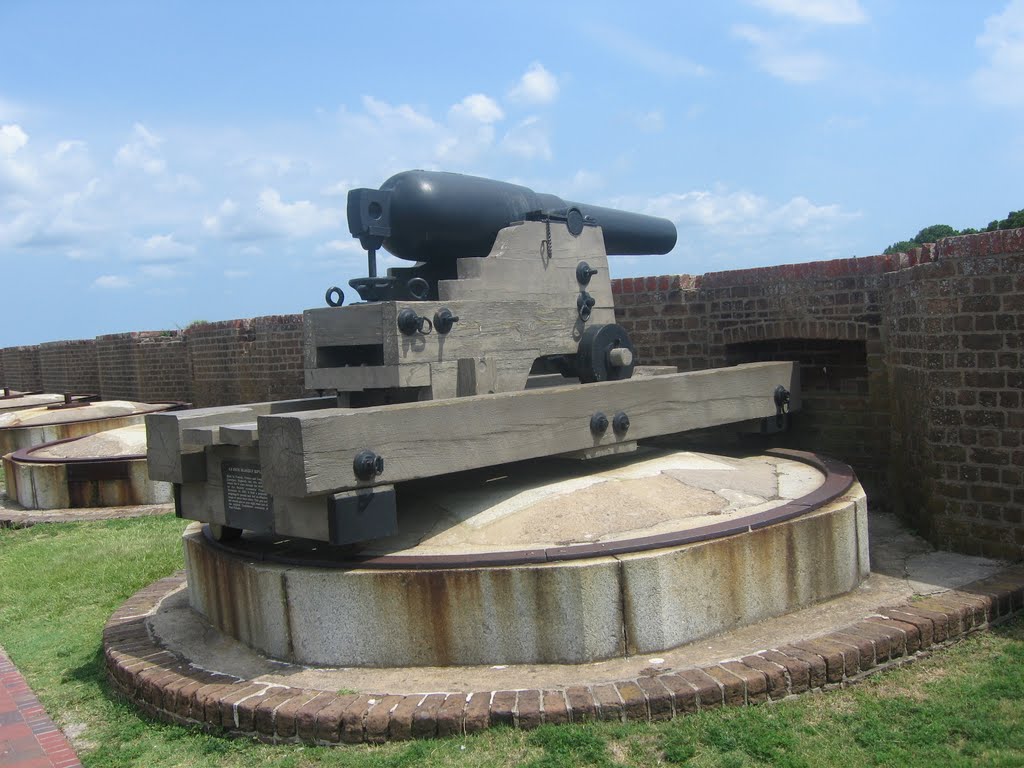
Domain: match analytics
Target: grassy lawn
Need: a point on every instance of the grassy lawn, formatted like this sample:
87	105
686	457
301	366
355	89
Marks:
60	582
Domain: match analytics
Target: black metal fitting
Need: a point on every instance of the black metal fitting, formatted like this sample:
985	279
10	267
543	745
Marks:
781	396
418	288
368	465
334	297
598	423
410	323
584	272
620	423
444	320
574	220
584	305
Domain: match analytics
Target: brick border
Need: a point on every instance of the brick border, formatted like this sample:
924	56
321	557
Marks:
27	734
168	687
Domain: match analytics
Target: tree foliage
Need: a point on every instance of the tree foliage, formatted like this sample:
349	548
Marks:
936	232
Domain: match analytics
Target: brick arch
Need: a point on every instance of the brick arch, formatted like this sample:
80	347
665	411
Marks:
826	330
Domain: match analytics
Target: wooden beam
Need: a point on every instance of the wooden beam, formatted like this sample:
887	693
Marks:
303	454
166	437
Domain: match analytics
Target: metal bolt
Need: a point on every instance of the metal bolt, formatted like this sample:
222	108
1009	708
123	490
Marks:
620	423
584	272
620	357
444	320
368	465
598	423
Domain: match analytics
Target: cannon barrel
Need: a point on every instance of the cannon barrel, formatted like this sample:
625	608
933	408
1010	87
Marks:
434	216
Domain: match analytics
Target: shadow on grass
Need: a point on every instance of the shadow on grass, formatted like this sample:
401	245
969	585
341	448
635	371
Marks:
92	673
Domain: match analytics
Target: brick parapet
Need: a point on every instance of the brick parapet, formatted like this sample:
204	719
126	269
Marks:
171	689
220	363
143	365
69	366
246	361
20	366
931	419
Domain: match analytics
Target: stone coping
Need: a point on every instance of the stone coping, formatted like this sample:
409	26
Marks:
168	687
27	455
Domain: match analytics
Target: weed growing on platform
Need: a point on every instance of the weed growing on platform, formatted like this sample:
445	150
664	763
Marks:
59	583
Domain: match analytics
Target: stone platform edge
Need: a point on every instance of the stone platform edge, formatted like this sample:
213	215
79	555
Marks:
21	517
168	687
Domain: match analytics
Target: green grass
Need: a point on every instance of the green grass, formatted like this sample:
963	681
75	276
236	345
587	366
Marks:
59	583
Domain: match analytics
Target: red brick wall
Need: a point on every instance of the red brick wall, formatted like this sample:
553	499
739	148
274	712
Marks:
20	366
143	365
912	369
956	347
219	356
69	367
246	361
277	359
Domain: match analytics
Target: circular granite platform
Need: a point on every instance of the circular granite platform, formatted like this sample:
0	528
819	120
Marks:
549	562
44	424
106	469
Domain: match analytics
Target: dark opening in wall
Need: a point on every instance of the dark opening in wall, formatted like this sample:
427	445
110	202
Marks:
838	416
827	366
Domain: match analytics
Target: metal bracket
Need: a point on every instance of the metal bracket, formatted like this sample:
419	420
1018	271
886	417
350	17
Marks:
354	516
781	396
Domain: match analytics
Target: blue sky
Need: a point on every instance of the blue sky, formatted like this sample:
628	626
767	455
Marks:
166	162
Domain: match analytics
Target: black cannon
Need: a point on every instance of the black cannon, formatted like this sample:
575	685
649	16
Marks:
435	218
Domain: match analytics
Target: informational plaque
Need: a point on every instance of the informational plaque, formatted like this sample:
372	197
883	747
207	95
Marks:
246	503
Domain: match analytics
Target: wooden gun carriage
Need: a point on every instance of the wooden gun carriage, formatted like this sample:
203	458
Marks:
497	344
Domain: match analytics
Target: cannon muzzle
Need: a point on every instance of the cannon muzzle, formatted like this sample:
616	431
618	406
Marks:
430	216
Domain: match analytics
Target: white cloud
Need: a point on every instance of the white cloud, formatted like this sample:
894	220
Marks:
478	107
744	214
817	11
271	217
528	139
401	117
470	129
1001	80
15	172
236	274
643	54
536	86
339	188
111	282
340	246
778	57
142	152
161	248
584	181
300	219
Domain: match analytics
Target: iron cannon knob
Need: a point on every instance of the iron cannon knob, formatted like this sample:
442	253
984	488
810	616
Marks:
620	423
368	465
444	320
584	272
410	323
